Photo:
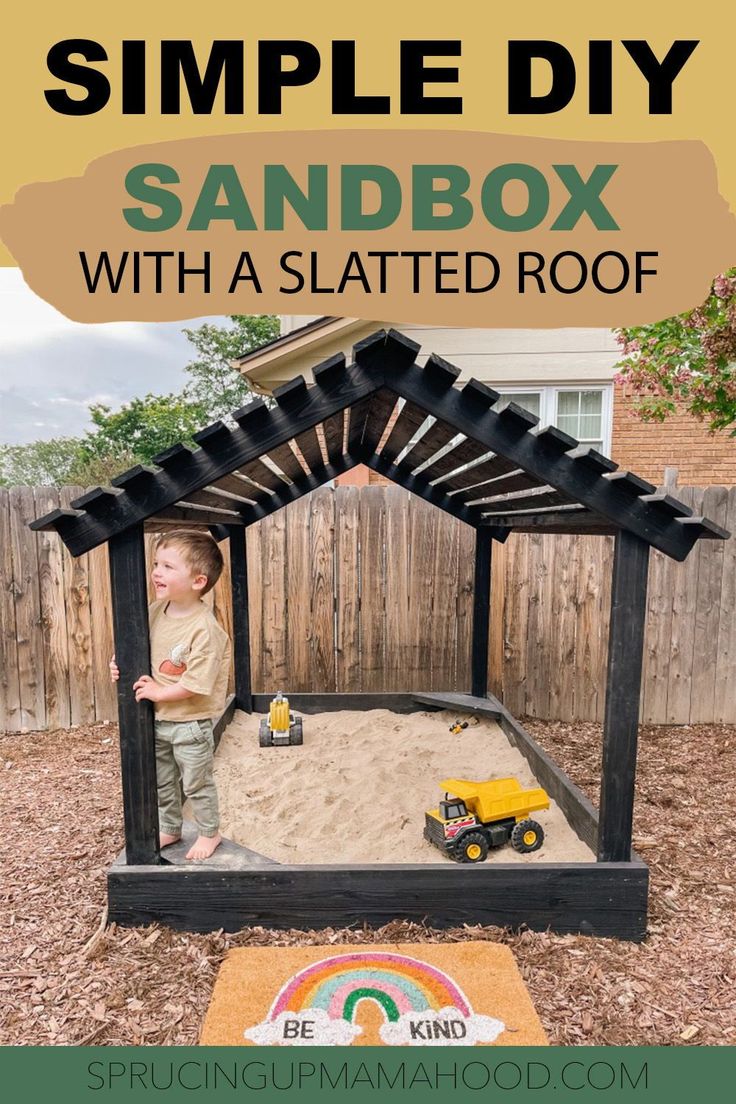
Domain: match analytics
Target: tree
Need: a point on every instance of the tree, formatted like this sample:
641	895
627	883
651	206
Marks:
216	386
39	464
132	435
687	362
141	428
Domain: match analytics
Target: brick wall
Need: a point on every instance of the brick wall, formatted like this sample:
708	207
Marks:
682	442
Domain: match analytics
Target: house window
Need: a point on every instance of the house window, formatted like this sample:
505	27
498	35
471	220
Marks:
530	400
583	412
580	413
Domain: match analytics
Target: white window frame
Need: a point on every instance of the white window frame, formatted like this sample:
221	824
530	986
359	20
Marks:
548	403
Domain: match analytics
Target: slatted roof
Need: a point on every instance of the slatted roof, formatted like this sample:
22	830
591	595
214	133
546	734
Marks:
481	459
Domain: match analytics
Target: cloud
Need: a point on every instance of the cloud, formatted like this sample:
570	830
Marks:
446	1027
312	1027
51	369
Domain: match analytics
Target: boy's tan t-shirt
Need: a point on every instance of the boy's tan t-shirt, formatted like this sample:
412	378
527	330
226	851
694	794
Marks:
193	652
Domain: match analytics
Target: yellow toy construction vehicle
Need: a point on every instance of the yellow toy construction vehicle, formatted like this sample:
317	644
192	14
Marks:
280	726
481	815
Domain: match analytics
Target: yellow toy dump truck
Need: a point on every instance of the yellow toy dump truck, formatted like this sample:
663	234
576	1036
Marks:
475	816
280	726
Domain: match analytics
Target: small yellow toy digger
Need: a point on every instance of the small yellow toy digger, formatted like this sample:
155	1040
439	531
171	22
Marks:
482	815
280	726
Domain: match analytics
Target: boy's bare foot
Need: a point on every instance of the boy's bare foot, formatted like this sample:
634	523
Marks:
165	840
204	846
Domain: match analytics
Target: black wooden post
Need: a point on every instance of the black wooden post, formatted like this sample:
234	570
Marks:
621	720
133	656
481	613
241	621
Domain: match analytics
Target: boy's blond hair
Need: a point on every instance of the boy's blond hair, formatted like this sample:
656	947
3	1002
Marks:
199	551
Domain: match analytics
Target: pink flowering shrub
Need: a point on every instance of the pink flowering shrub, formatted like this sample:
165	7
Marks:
686	363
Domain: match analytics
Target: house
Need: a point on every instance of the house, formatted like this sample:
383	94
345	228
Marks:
565	377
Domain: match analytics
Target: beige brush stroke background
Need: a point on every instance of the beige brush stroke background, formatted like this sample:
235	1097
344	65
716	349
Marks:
86	214
42	145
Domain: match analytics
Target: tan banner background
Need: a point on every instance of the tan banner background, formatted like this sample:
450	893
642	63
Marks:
663	196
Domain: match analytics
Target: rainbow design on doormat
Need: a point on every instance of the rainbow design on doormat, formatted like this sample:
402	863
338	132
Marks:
421	1005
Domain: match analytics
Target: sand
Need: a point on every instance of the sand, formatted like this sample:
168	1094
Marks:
356	791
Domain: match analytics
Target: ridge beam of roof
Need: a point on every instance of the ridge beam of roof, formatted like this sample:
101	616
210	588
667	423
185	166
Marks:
505	432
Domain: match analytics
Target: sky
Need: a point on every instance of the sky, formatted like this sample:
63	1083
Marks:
51	369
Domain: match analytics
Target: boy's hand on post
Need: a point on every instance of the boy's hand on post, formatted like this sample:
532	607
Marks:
114	670
146	689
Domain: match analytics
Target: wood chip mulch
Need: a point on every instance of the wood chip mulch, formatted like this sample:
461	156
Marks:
66	979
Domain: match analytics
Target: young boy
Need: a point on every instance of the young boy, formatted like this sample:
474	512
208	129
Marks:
190	660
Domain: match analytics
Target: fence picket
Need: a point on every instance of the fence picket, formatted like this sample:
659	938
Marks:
724	706
347	590
53	616
322	631
372	587
9	678
27	610
79	626
298	583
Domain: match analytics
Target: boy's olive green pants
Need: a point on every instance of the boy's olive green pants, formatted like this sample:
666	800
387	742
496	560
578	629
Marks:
185	760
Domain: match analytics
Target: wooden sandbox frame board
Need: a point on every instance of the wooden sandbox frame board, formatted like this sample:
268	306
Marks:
596	898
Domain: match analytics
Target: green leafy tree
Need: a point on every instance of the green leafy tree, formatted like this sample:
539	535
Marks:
687	362
42	463
216	386
91	470
141	428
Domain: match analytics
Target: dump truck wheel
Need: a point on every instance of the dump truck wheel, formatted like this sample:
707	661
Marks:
264	734
296	735
527	836
472	848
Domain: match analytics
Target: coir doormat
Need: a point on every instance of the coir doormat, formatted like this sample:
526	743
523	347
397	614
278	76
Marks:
401	994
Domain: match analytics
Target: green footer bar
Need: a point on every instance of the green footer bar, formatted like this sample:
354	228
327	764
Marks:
452	1075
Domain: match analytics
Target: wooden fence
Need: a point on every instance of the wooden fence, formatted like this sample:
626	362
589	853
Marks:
360	589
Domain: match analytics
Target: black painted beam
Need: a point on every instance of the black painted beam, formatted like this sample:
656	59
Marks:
128	578
241	619
621	718
603	899
576	522
481	613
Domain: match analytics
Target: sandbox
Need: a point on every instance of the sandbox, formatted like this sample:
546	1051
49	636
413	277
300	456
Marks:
357	789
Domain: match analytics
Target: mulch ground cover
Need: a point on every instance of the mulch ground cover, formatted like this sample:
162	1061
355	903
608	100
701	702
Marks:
66	979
